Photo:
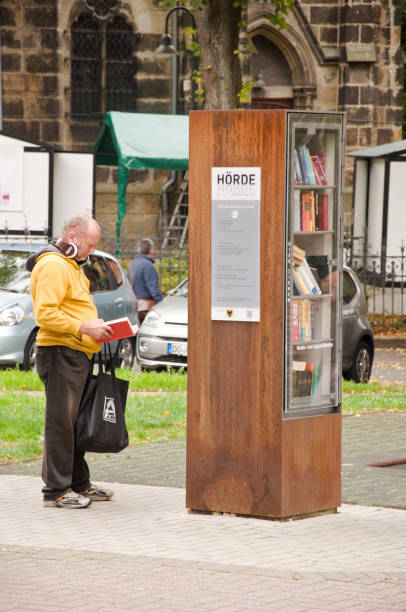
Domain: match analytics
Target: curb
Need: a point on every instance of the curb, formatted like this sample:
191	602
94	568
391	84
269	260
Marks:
390	341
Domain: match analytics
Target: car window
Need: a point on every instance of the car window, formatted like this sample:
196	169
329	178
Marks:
115	270
13	275
349	288
97	272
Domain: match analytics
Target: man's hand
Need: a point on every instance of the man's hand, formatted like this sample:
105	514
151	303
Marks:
96	329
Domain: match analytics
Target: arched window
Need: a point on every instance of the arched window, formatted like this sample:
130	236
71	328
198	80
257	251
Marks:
102	66
270	66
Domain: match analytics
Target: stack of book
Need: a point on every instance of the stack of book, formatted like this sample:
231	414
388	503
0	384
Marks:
313	211
303	314
304	281
309	169
304	378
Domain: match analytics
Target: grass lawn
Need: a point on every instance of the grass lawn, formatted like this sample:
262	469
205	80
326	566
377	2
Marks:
150	417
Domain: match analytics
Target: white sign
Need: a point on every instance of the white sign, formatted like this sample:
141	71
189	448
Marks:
11	177
235	247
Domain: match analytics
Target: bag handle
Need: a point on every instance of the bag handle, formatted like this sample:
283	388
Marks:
108	359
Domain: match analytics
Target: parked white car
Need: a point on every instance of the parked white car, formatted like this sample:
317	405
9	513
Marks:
162	338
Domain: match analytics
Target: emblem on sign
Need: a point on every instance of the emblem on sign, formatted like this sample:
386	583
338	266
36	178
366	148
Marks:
229	314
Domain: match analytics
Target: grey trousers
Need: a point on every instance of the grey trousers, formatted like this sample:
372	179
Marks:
64	372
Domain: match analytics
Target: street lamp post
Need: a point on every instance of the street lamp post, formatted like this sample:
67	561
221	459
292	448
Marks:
169	46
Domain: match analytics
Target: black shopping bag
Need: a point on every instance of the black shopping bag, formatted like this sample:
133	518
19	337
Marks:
100	426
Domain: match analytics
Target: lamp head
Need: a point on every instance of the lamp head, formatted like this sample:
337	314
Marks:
259	80
166	45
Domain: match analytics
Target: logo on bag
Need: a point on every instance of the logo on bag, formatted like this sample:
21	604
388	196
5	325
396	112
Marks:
109	411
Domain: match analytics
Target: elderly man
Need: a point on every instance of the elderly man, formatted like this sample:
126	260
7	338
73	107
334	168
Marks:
69	331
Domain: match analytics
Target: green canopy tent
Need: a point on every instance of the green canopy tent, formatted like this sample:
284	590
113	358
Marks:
138	140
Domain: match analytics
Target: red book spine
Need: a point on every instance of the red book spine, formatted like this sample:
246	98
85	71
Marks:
323	211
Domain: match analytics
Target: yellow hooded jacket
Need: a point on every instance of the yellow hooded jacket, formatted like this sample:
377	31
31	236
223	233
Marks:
62	302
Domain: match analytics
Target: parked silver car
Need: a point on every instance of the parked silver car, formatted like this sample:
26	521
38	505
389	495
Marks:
162	338
112	294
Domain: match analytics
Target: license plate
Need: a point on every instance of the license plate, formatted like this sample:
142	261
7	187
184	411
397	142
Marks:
177	348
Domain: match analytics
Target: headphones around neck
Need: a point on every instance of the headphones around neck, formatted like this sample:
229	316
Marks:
67	248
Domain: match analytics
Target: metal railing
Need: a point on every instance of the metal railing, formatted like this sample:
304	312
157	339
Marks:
384	278
171	264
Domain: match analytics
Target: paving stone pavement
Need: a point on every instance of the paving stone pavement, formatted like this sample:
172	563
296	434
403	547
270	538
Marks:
144	551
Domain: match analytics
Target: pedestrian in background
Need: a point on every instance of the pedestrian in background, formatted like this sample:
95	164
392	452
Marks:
144	278
68	336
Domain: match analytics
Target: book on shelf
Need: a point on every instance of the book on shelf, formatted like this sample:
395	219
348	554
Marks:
306	275
303	165
309	165
310	278
322	159
295	322
122	328
298	283
298	255
304	280
306	320
308	215
297	222
297	169
302	378
315	378
322	218
319	171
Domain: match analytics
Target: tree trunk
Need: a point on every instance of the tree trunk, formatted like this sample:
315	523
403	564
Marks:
218	27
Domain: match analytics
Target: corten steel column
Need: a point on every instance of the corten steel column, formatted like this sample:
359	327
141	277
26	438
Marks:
242	456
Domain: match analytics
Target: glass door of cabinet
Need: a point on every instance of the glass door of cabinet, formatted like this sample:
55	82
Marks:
313	271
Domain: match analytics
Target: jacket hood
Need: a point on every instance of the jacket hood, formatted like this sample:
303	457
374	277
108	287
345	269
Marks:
51	248
32	260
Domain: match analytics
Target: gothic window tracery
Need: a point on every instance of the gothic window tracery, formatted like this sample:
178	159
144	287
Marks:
102	62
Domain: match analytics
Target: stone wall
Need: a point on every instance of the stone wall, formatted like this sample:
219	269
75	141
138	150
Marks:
30	66
343	56
366	41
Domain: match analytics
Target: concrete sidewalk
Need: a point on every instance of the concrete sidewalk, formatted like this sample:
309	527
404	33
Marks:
144	551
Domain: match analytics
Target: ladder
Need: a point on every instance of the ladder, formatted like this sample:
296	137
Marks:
176	232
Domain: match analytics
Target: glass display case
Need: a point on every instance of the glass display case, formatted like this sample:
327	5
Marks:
313	272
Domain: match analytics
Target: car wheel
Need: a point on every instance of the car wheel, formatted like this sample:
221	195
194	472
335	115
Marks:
362	365
125	353
30	352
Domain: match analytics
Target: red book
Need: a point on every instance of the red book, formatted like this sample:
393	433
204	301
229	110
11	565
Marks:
122	328
323	211
319	170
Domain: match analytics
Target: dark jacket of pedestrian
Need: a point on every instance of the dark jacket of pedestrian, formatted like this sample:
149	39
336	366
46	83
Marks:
144	278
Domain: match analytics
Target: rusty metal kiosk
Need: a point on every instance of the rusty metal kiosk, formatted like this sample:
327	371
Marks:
264	346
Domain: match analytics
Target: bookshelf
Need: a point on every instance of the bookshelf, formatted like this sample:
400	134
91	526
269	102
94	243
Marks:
313	271
263	417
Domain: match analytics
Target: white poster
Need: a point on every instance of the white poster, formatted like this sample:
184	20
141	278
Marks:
235	288
11	177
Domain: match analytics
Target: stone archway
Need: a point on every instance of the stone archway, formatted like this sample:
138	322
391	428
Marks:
282	67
